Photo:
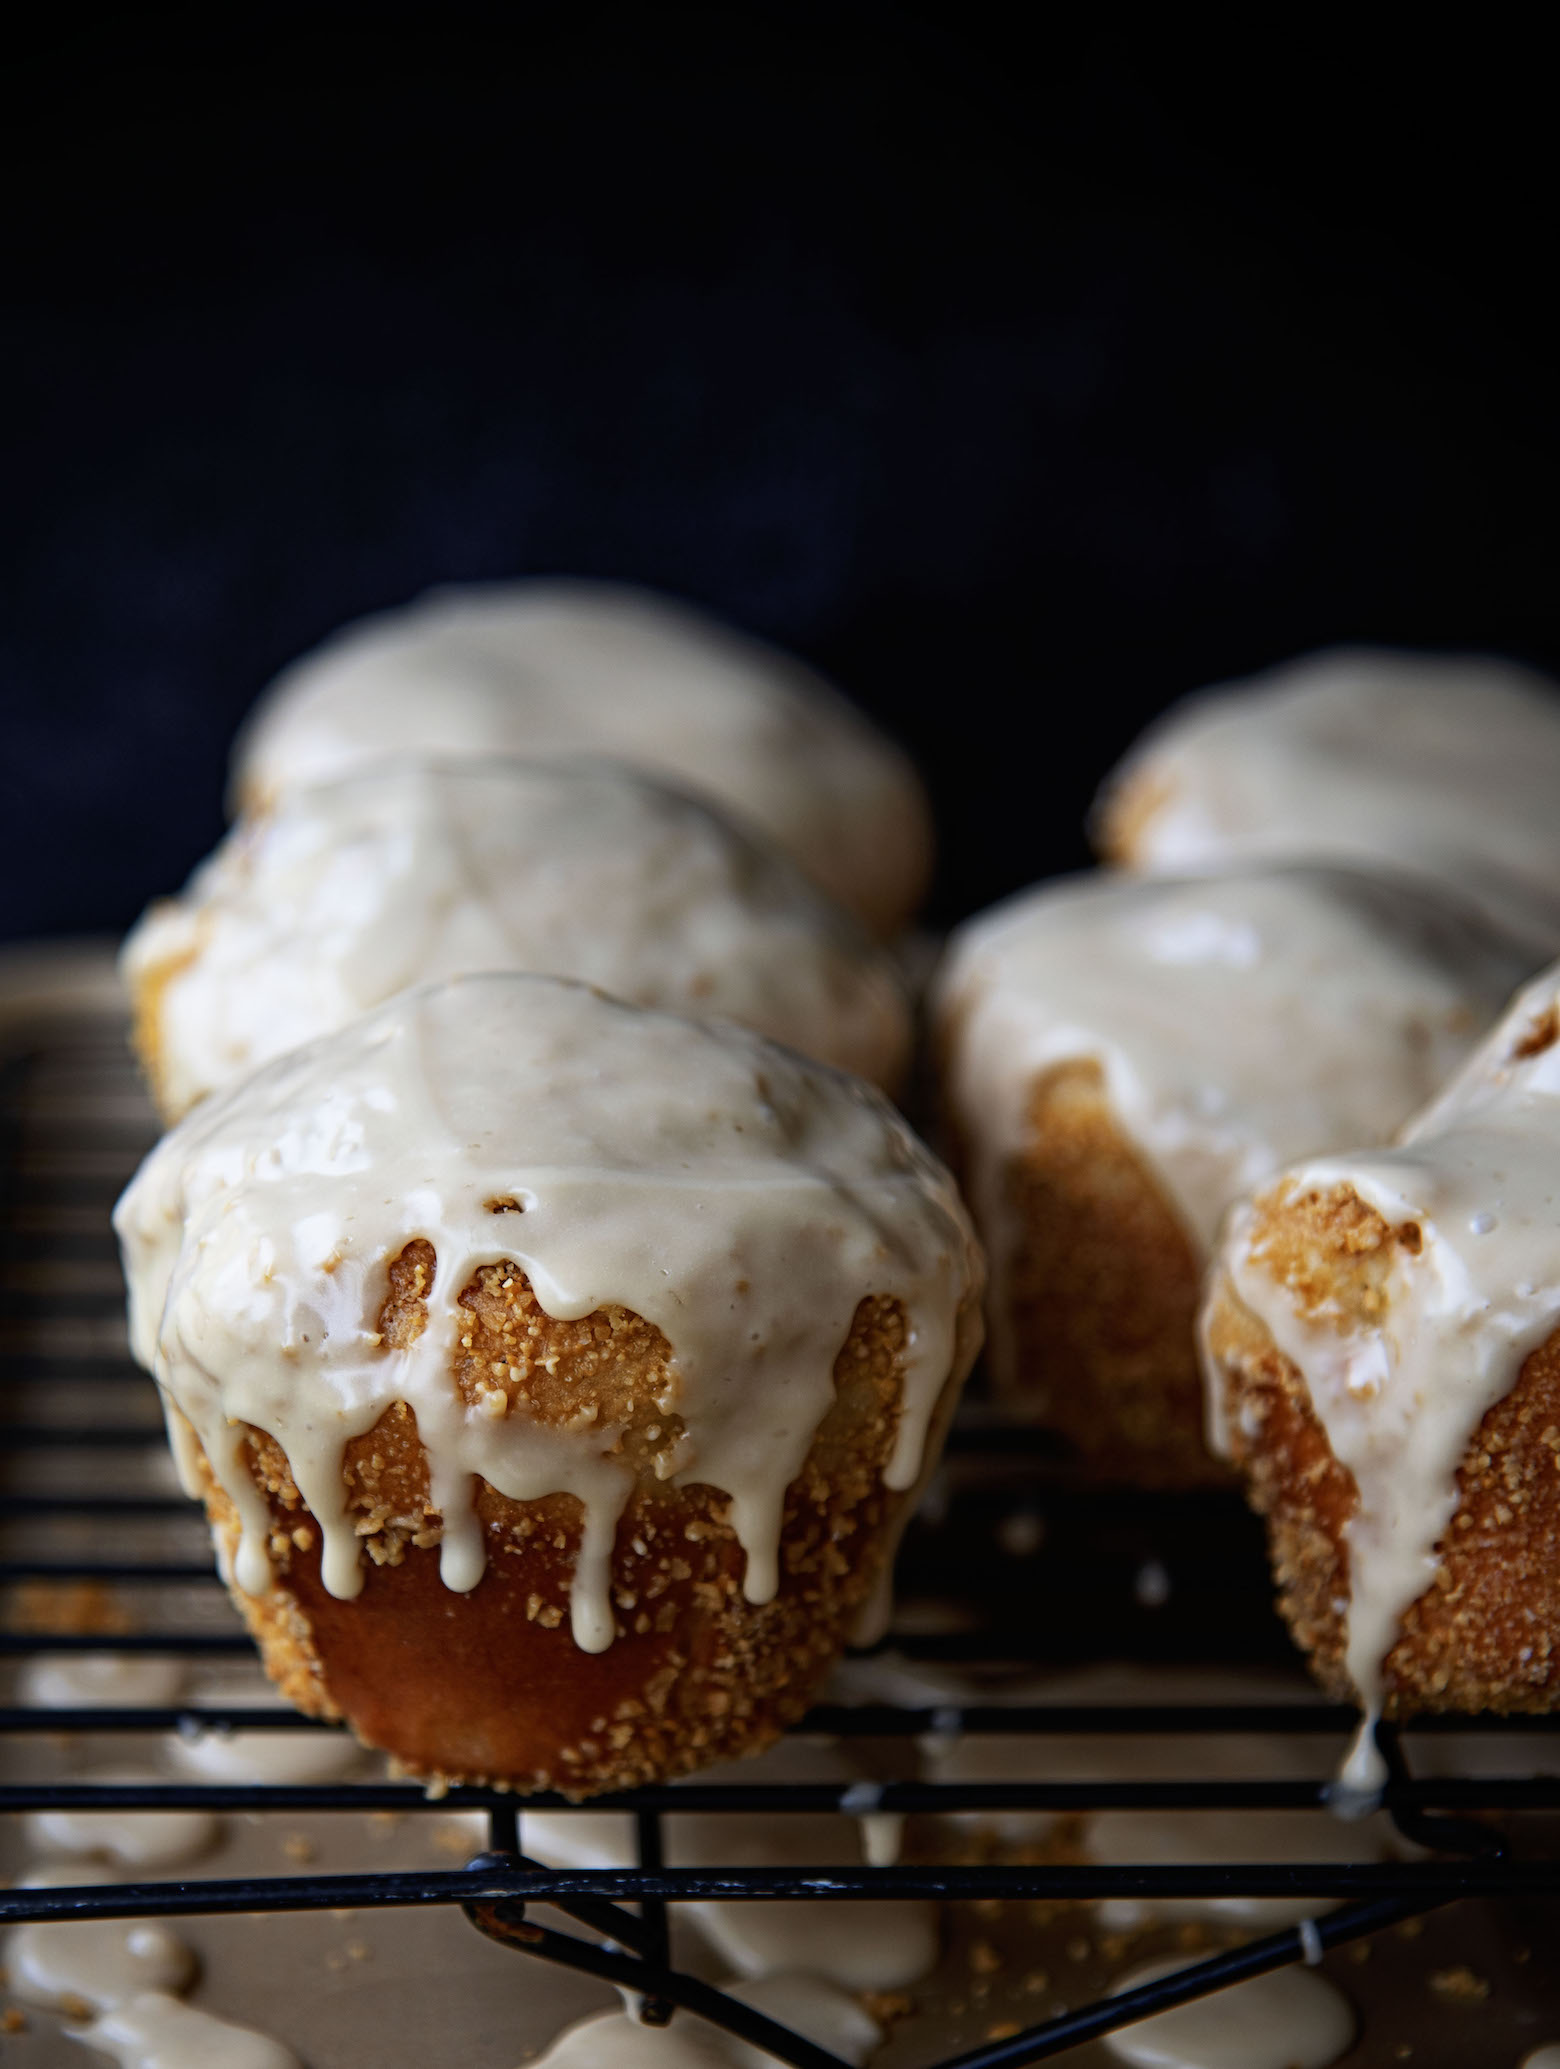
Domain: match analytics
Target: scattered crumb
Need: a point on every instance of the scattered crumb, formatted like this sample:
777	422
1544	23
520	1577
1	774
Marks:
335	1959
1521	1955
1078	1950
984	1958
383	1822
1004	2029
1359	1953
13	2021
1459	1986
299	1847
82	1608
1402	2051
1037	1982
453	1839
76	2009
1409	1928
358	1950
886	2006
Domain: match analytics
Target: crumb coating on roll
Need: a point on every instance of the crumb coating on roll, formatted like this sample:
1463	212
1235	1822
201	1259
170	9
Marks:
490	1686
1485	1633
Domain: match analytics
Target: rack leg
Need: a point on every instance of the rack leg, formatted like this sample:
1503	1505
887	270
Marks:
654	2011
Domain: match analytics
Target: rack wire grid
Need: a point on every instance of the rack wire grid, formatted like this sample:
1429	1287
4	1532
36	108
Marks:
73	1124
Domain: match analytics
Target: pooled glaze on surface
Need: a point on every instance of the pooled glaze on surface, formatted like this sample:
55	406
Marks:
96	1962
1447	765
737	1197
817	2010
138	1838
157	2032
1239	1021
402	874
1479	1173
552	668
1287	2019
96	1680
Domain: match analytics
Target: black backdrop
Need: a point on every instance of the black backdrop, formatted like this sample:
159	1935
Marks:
1020	387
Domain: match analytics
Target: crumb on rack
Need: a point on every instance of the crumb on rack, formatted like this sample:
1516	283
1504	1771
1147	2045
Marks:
1459	1985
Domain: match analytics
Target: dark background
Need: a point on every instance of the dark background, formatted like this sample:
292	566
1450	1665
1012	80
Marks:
1022	385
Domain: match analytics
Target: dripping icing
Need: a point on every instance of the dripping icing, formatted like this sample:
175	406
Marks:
1238	1021
738	1198
1478	1174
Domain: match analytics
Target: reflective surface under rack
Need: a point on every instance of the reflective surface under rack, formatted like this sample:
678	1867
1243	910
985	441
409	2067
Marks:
1007	1568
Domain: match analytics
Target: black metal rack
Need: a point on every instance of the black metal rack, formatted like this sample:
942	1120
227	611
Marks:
71	1132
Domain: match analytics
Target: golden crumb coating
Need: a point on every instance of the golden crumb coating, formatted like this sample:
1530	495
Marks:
1486	1633
1102	1292
1125	812
147	988
490	1685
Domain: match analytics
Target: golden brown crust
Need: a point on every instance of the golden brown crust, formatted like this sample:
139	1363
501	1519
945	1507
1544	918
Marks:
146	1004
1102	1292
1123	814
491	1685
1486	1634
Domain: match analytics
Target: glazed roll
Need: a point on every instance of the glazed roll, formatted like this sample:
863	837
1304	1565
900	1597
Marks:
1382	1335
1121	1058
1445	765
549	668
556	1373
403	873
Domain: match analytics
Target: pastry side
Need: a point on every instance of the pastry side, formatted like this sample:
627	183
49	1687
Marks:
1382	1340
557	1374
1120	1058
1483	1633
490	1685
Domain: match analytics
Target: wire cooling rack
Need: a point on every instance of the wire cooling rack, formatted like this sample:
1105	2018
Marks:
73	1126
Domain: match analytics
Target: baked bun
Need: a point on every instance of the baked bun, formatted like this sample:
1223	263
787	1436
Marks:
549	668
1122	1057
1382	1333
402	873
1448	766
557	1373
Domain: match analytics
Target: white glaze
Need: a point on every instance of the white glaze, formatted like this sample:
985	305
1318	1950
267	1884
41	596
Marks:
157	2032
1288	2019
266	1756
1546	2057
865	1945
100	1680
1167	1838
401	874
1479	1172
817	2010
1446	765
550	668
861	1944
1239	1021
138	1838
741	1199
97	1961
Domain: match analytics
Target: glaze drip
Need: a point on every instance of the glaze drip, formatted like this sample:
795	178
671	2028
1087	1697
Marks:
1238	1020
740	1199
1477	1174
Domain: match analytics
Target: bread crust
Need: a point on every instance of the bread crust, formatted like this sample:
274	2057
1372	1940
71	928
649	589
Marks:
1102	1289
490	1686
1485	1634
